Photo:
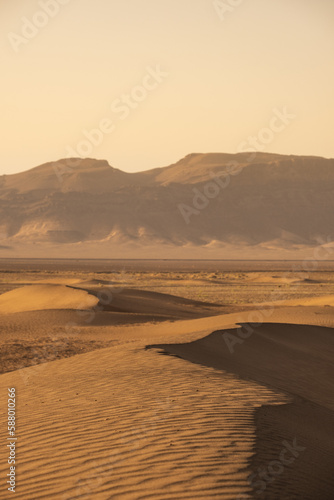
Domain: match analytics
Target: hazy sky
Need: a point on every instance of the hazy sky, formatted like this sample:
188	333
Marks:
201	78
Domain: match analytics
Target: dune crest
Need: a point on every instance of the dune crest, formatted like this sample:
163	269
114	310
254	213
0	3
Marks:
45	297
296	359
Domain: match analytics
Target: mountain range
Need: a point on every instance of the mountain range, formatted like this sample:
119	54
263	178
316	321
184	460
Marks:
204	206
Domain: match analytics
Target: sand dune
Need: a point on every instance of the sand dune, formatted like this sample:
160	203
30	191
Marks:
124	421
129	300
41	323
321	301
298	360
135	424
106	299
39	297
291	358
327	300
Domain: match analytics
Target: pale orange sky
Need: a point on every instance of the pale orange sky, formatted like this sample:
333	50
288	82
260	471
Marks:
225	77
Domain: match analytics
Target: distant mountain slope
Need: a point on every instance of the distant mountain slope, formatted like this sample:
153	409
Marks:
204	199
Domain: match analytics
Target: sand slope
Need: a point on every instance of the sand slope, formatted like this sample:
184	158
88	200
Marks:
129	300
297	359
294	358
124	423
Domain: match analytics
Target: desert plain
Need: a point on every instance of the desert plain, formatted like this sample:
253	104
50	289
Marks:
168	379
